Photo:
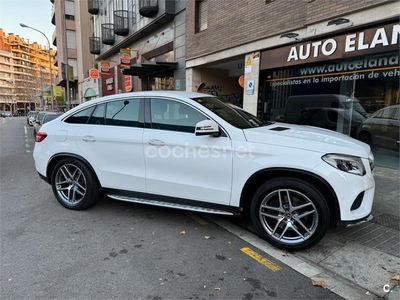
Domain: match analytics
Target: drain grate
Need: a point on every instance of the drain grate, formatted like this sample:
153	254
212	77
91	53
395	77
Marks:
387	221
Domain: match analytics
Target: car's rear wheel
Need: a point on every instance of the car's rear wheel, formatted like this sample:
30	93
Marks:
74	185
290	213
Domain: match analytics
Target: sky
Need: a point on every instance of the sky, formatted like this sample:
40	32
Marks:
34	13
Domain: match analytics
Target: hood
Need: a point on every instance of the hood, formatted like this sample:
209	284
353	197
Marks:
307	138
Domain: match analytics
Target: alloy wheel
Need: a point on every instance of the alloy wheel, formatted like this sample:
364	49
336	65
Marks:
70	184
288	216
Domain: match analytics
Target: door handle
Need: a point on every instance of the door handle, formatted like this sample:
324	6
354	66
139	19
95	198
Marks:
89	138
156	142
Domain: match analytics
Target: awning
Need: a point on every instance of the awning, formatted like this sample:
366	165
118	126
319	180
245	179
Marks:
149	68
89	93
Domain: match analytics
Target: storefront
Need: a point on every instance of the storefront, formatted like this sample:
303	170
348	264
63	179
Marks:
362	65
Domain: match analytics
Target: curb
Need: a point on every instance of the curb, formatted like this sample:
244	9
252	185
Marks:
336	283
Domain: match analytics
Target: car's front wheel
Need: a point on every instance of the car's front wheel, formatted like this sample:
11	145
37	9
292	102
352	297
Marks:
74	185
366	138
290	213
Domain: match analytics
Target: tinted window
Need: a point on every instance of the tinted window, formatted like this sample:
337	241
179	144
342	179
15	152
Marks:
80	117
386	113
50	117
98	115
173	115
123	113
397	114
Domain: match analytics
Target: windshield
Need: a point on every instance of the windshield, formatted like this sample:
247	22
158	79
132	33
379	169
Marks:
228	113
356	106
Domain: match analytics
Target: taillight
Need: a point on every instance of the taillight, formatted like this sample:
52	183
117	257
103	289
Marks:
40	136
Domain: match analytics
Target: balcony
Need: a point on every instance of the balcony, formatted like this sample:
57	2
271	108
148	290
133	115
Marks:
121	22
94	6
148	8
94	45
107	33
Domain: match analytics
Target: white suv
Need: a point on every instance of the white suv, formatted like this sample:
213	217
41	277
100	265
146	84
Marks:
191	151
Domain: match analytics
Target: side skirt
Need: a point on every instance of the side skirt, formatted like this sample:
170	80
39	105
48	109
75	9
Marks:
171	202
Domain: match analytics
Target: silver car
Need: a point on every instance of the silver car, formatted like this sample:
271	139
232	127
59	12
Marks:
381	130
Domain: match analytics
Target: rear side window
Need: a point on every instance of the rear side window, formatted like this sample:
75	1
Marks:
97	117
123	113
80	117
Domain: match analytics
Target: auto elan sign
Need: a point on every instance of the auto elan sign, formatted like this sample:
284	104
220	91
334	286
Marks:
373	40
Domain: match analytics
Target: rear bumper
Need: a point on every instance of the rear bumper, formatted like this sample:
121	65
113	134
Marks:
43	178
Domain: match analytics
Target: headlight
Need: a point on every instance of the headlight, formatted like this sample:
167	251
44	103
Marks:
346	163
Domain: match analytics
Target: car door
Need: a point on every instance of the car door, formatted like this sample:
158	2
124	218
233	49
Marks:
393	128
111	141
180	164
380	128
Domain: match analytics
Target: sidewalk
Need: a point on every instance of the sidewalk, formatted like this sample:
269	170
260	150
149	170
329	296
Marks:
367	255
356	262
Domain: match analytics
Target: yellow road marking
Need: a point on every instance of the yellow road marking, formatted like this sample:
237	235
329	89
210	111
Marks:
197	219
262	260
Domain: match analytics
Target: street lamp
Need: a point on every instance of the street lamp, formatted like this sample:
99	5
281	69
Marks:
51	75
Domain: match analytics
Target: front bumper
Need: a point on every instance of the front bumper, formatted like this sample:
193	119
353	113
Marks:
343	224
354	193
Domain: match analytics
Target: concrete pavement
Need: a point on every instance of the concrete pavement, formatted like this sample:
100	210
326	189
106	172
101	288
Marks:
357	262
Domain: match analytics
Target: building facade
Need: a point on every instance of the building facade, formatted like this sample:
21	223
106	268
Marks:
24	74
138	44
261	53
72	30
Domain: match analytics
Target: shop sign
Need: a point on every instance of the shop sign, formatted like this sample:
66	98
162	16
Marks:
128	83
94	73
125	56
105	67
108	83
373	40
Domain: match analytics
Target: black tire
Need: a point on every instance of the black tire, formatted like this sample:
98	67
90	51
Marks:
296	222
366	138
74	185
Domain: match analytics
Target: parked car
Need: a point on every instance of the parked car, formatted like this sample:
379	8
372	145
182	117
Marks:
7	114
30	117
337	119
335	112
46	118
382	128
191	151
38	120
1	113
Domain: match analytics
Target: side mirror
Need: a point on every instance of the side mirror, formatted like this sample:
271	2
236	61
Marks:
207	127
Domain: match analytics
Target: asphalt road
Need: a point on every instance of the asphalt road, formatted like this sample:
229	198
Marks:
119	250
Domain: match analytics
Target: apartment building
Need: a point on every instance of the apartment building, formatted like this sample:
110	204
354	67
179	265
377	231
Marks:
71	37
138	44
24	74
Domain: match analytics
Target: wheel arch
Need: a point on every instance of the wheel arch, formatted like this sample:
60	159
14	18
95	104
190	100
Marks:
59	156
367	133
258	178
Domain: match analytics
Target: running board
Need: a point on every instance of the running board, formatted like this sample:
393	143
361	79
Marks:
171	205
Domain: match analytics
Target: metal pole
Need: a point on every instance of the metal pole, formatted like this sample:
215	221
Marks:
66	60
51	73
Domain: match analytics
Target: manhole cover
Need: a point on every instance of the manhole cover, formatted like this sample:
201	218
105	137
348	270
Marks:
387	221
